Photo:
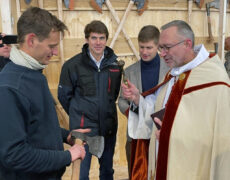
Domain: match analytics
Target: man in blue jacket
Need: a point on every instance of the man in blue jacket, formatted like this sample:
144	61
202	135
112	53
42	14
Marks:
31	140
88	89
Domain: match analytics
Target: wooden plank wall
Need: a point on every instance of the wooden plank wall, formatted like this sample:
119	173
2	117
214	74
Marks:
158	13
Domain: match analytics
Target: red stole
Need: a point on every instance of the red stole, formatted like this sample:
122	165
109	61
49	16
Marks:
170	112
140	147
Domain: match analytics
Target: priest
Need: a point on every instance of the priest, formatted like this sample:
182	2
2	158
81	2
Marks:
193	141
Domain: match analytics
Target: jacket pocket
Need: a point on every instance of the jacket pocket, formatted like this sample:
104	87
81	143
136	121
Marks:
114	81
87	86
111	119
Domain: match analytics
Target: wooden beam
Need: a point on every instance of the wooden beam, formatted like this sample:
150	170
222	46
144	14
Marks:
114	14
61	49
121	5
6	16
222	28
130	5
40	4
18	7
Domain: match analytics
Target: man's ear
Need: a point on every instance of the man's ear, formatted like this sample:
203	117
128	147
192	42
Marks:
86	40
30	39
188	43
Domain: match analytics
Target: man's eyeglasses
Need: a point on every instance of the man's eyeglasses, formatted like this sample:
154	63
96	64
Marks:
167	48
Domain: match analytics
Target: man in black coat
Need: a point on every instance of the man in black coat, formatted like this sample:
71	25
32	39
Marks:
88	89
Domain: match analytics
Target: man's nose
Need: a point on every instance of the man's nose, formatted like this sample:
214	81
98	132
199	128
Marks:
55	51
98	41
163	53
144	51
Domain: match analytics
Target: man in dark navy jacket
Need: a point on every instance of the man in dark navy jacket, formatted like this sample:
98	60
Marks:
88	89
31	140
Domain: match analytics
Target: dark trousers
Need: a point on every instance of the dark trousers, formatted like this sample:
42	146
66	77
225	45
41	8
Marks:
106	161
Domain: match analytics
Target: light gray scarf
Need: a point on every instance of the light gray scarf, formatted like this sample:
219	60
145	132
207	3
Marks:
21	58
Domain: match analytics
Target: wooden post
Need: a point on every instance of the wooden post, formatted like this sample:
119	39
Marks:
18	7
40	4
59	4
190	2
222	29
7	27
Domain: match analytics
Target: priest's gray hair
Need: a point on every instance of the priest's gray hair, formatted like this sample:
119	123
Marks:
183	29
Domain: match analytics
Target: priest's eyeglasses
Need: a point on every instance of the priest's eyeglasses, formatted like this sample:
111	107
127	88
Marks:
167	48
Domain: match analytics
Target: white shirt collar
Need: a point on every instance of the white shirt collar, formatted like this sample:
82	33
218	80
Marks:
98	63
202	55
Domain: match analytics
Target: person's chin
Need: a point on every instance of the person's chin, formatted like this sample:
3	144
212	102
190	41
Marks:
169	63
98	51
6	56
145	58
46	62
